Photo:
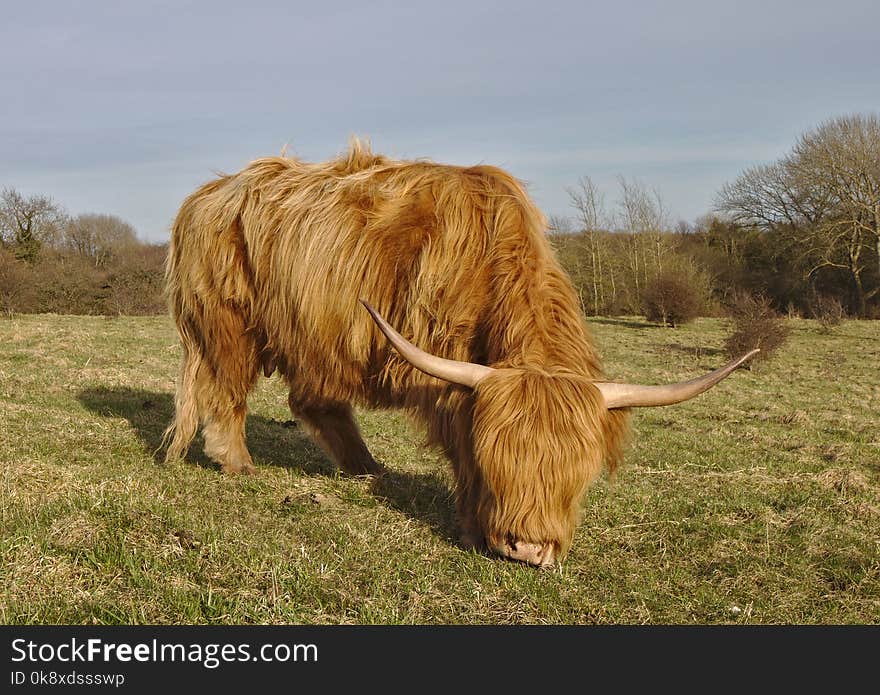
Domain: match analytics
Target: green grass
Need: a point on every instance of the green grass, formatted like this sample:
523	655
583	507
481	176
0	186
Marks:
757	502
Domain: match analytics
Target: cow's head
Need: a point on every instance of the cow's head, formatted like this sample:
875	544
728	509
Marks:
538	442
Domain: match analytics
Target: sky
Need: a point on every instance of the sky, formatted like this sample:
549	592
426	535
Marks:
125	107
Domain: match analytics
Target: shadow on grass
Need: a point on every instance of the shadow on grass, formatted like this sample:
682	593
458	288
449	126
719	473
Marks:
422	497
149	413
425	498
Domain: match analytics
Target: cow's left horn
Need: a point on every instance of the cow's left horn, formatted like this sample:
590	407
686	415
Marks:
463	373
618	395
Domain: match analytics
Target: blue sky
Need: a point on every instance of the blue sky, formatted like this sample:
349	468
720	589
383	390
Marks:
124	107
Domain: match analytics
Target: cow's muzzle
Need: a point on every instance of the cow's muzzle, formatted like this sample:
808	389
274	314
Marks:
537	554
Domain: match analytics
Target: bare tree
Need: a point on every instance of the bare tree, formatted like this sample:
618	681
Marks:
589	203
645	217
98	237
770	196
559	224
28	222
841	161
825	195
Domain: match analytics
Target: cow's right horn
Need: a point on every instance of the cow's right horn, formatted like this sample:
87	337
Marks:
463	373
619	395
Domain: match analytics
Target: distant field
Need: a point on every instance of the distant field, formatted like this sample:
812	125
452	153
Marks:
758	502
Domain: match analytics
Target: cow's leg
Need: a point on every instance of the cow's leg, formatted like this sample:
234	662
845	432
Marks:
224	411
451	430
333	427
212	391
225	439
228	371
467	495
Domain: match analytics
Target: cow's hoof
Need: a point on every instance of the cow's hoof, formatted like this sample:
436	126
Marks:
239	469
364	467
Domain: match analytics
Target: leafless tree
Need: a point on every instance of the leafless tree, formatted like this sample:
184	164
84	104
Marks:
772	195
559	224
825	194
841	160
98	237
645	217
28	222
589	203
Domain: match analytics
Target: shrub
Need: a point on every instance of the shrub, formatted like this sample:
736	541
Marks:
828	312
16	284
136	282
65	282
68	284
756	324
676	295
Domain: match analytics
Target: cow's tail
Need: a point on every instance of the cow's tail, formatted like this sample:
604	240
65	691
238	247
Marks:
180	432
182	429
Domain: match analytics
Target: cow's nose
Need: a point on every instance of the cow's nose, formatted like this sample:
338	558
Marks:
538	554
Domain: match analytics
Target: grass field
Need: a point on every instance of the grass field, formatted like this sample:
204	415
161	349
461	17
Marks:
758	502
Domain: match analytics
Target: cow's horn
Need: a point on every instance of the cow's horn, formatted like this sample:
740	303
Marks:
619	395
463	373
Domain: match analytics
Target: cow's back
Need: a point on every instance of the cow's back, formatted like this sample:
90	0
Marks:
433	247
409	237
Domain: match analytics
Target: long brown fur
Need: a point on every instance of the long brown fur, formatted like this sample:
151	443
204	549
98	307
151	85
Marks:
265	270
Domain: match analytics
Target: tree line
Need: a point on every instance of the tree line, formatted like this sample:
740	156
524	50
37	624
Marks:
85	264
801	233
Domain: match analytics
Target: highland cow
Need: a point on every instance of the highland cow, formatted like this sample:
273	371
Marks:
265	272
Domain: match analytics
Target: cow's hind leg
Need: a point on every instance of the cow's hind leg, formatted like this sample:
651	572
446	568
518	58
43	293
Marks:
225	439
222	394
333	427
217	373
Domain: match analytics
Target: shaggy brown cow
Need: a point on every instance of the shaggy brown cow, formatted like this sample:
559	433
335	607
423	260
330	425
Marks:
266	268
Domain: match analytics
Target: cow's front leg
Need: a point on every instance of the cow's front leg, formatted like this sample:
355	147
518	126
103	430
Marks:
333	427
